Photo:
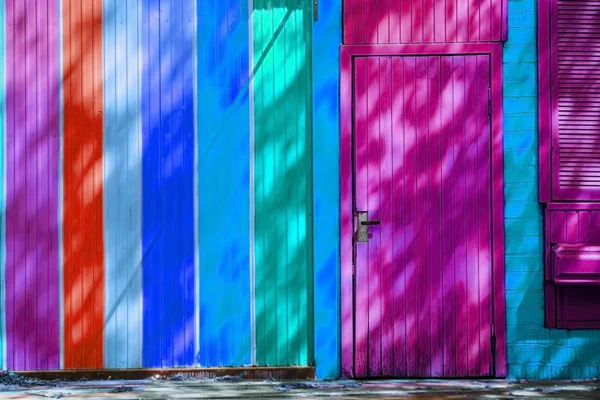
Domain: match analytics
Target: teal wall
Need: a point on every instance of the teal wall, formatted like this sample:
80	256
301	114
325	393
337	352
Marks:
533	352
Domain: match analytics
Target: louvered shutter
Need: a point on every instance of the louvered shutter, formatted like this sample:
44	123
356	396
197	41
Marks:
575	69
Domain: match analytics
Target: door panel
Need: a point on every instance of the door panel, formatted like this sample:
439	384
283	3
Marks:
423	291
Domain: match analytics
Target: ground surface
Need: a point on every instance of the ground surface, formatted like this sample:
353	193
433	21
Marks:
235	388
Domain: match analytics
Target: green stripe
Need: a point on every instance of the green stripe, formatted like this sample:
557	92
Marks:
283	183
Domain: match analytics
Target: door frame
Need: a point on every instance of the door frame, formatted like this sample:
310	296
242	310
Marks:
347	55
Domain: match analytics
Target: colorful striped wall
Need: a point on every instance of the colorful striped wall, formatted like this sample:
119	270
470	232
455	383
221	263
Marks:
158	206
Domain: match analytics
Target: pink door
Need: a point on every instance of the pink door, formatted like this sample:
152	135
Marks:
423	217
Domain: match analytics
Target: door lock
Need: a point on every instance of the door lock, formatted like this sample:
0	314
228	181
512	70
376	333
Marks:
363	226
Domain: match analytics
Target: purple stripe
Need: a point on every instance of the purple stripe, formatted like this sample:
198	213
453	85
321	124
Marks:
32	142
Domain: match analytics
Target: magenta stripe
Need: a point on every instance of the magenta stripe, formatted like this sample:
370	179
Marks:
32	112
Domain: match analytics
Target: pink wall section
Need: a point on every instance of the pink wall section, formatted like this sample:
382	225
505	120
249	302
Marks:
424	21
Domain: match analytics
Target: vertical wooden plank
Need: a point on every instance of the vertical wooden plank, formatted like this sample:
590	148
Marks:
405	21
361	314
473	20
435	161
451	21
395	21
485	22
361	32
386	232
584	227
472	131
421	288
397	292
417	27
440	21
572	226
348	20
463	24
498	19
83	171
594	223
410	208
168	271
373	207
447	240
429	21
484	211
383	18
460	233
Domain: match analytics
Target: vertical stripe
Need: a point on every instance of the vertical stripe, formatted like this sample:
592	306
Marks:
61	249
122	185
252	186
2	195
83	242
224	164
167	184
283	182
32	179
327	34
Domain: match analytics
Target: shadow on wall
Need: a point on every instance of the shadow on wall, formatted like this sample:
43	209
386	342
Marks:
422	145
31	149
422	152
283	183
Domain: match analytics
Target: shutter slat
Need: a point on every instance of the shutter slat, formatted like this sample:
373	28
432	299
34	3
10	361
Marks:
577	148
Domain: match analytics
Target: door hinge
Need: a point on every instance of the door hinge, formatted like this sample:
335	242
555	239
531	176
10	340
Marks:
490	101
316	10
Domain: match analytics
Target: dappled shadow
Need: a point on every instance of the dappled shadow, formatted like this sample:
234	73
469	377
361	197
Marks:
283	192
32	150
423	289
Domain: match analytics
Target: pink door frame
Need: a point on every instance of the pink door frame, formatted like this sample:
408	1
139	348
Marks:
347	55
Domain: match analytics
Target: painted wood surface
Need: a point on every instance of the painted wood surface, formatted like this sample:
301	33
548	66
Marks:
168	212
83	254
422	167
571	306
31	149
424	21
327	35
283	185
122	184
224	182
569	129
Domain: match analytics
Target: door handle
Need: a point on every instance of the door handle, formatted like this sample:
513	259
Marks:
363	226
370	223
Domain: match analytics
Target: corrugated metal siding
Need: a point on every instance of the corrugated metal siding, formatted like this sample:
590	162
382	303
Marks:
31	148
424	21
122	184
282	54
83	254
224	182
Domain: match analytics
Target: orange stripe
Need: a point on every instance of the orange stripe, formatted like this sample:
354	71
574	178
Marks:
83	174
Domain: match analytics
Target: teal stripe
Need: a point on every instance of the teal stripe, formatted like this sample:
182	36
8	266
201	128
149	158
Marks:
122	197
223	179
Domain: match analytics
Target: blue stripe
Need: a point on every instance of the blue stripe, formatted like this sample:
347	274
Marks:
223	176
327	35
168	183
122	186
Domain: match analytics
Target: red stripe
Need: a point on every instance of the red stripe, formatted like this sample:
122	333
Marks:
83	173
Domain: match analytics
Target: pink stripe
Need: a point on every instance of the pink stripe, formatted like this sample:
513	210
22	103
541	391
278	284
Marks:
32	185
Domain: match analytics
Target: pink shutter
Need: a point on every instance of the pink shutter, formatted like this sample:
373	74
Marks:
575	92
